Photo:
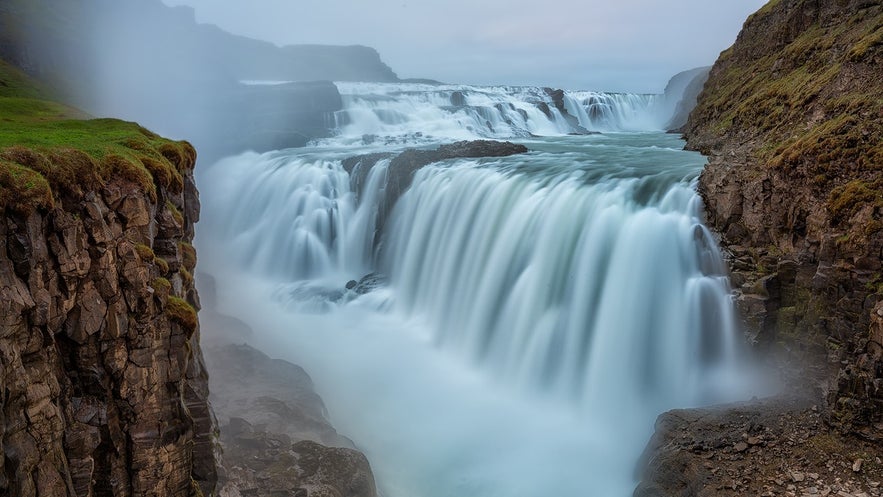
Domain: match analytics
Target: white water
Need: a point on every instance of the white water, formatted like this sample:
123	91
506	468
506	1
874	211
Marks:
396	113
542	309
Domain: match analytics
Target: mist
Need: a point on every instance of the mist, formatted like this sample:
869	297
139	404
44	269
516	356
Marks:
479	323
632	46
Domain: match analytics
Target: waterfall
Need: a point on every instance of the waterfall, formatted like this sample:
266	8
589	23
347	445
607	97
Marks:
406	112
296	217
527	317
612	290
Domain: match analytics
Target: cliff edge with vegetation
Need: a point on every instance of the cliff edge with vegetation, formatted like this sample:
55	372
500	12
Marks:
792	119
104	391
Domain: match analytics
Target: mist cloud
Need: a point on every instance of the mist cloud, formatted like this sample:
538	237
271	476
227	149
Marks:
628	45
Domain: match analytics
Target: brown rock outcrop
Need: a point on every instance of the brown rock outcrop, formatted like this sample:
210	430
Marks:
792	121
274	431
403	166
103	390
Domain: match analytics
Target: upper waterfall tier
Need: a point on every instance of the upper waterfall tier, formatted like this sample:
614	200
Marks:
406	112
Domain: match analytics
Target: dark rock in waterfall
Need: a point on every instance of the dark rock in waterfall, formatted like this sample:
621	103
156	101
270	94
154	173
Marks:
368	283
403	166
359	166
557	96
458	99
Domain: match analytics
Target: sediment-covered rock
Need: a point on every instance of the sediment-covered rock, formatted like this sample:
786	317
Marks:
778	446
104	391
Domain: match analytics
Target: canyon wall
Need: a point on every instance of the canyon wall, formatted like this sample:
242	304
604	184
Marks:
103	390
792	119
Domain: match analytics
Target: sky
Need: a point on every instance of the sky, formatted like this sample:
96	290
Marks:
609	45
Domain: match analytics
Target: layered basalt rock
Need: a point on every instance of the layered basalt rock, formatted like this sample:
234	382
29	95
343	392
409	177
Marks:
104	390
792	120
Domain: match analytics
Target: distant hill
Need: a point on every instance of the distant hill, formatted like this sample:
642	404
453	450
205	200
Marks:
61	37
144	61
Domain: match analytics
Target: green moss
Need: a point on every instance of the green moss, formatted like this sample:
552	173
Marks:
809	105
176	214
76	155
23	188
179	311
188	254
161	286
146	253
862	49
847	199
162	264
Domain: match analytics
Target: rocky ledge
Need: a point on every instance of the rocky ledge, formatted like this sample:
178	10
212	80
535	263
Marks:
403	165
765	448
274	432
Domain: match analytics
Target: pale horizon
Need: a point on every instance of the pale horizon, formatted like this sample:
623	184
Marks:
629	46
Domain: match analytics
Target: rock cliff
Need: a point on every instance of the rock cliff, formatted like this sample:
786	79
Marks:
792	119
103	390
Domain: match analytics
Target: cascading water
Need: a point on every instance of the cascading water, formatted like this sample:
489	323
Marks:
551	280
402	113
540	309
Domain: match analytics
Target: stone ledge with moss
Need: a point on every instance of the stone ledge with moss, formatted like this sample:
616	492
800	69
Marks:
49	151
105	390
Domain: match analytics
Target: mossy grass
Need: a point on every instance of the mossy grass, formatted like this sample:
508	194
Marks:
146	253
188	255
48	149
176	214
179	311
161	285
811	107
162	264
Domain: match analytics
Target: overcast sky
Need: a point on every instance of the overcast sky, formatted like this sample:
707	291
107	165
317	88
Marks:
615	45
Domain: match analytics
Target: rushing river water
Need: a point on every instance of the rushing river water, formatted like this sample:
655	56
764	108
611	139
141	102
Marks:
532	314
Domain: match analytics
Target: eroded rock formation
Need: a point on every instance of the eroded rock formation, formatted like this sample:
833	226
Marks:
792	119
103	390
275	434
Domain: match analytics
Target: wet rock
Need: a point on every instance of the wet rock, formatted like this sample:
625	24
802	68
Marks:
793	215
402	167
274	431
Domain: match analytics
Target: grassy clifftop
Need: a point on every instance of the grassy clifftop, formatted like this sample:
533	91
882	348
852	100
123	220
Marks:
792	117
802	91
49	150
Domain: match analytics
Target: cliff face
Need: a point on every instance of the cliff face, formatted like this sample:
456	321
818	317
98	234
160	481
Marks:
681	93
103	390
792	119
